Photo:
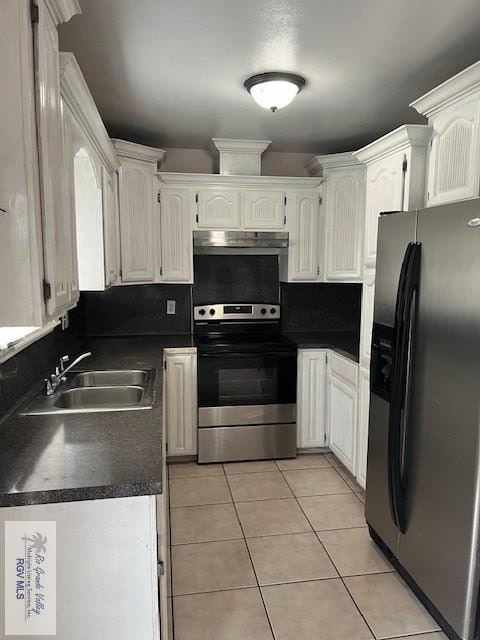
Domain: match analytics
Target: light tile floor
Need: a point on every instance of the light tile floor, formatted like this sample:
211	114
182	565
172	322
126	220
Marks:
280	551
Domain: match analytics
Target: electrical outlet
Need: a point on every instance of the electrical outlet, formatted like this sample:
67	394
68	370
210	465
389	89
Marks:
171	307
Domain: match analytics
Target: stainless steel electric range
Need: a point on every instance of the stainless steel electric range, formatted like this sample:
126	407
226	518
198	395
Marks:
247	381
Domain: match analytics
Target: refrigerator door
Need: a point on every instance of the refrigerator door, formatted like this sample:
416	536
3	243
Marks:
395	232
440	546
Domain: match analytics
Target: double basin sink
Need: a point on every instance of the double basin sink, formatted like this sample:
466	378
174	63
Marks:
88	391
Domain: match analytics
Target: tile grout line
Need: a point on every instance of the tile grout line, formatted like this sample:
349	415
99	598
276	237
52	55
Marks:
252	563
335	566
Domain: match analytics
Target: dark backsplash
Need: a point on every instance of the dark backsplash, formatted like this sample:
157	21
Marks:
35	362
137	310
235	278
321	307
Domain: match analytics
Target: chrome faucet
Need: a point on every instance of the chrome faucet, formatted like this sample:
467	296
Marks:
56	379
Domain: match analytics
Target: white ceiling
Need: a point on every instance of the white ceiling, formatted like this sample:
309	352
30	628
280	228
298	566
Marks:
170	72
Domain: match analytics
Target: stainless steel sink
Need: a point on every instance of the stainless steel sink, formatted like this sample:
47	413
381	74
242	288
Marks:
91	391
111	378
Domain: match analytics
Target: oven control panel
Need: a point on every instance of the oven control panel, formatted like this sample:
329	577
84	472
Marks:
236	312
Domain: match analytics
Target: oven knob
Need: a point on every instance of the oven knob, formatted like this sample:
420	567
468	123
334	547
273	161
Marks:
212	312
263	311
202	312
272	310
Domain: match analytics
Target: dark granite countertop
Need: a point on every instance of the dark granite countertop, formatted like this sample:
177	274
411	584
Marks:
343	342
62	458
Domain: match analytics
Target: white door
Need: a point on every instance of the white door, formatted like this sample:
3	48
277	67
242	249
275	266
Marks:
362	437
454	158
219	208
344	211
342	420
69	195
176	235
138	212
368	299
303	213
311	409
110	226
263	209
56	236
181	399
385	191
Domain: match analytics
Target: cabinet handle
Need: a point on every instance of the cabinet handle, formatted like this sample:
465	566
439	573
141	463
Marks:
318	271
161	568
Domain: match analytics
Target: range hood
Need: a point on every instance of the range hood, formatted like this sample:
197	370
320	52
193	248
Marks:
241	239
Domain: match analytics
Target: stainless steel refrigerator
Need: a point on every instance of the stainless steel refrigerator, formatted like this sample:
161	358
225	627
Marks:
423	474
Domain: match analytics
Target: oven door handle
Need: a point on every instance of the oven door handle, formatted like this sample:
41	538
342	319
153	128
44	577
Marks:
277	354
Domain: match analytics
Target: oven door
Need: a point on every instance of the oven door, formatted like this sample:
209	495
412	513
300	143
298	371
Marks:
247	388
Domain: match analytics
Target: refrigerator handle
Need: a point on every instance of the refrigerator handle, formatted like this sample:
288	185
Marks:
407	289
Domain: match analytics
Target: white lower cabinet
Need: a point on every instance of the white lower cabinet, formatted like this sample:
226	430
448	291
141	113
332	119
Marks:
180	369
108	566
363	415
311	390
342	401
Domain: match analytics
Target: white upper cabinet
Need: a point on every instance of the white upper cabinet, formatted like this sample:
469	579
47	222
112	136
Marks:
344	206
453	110
139	211
311	395
395	177
56	222
21	269
219	208
176	206
94	182
264	209
303	218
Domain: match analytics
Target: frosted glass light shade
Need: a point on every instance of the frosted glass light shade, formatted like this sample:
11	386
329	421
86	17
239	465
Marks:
274	90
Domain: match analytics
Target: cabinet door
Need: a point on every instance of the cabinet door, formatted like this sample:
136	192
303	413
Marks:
56	235
311	413
138	209
345	209
342	420
454	158
368	298
303	212
181	394
219	208
176	235
20	234
110	226
263	209
385	191
362	438
69	194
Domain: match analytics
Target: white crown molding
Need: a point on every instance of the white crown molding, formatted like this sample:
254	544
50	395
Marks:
62	10
400	139
457	88
318	164
216	180
134	151
77	97
240	146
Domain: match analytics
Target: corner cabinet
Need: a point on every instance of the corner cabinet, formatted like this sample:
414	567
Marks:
342	409
453	111
180	393
395	179
311	398
176	235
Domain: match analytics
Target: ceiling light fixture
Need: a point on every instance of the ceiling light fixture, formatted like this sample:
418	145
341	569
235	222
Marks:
274	90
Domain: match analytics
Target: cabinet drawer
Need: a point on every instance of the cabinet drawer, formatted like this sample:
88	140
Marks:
344	368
